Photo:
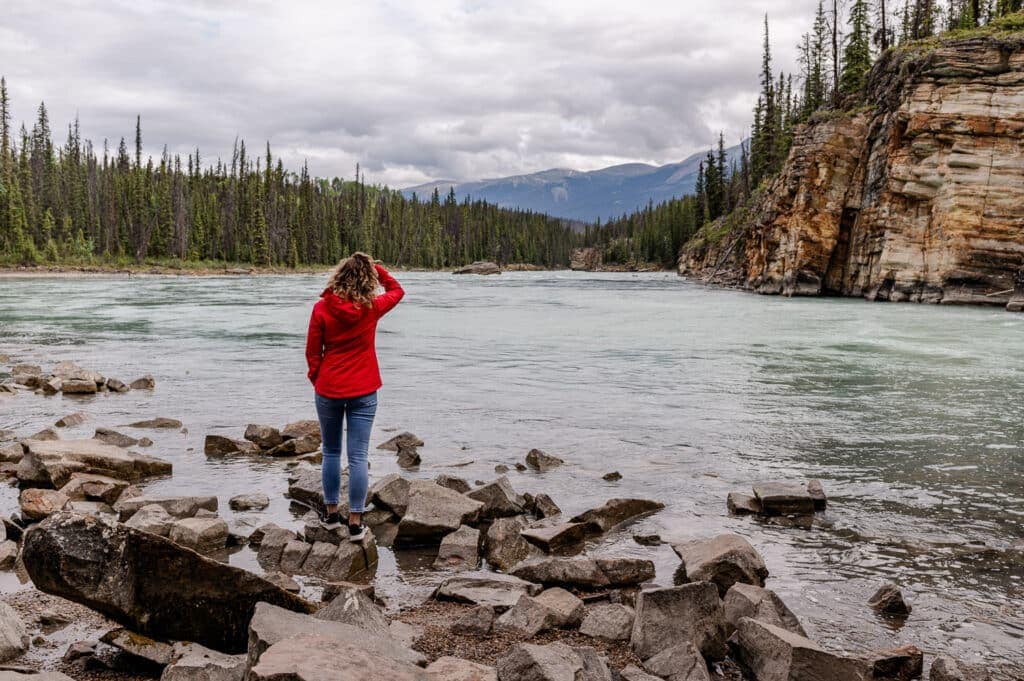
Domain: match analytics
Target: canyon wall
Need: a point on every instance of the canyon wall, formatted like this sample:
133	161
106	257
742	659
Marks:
917	197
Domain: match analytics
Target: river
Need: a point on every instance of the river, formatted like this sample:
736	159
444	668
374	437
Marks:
912	416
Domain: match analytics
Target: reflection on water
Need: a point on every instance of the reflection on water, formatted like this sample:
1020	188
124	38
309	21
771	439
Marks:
912	416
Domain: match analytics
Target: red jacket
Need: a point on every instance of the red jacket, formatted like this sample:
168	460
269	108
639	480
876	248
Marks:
340	347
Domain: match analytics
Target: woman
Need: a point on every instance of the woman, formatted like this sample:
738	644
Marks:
343	368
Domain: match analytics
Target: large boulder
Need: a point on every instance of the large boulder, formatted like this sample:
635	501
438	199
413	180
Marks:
692	612
51	463
608	621
265	437
541	461
178	507
552	662
315	657
784	498
485	588
617	511
305	486
774	654
271	625
897	664
146	582
747	600
551	609
219	445
479	267
392	493
558	538
112	437
205	535
459	550
889	600
13	634
724	560
498	498
586	573
433	512
504	547
89	487
456	669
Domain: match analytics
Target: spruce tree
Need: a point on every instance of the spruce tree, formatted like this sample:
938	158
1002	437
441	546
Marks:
857	53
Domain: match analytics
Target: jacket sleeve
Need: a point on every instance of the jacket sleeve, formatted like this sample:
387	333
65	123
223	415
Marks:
314	345
393	292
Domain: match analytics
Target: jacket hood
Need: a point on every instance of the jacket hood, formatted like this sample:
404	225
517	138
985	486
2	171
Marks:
341	309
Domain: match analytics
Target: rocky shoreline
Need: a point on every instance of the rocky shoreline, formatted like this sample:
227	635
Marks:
523	593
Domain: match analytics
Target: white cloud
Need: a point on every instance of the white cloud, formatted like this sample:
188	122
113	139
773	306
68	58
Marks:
458	89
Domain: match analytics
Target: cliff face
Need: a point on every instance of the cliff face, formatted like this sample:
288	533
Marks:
920	198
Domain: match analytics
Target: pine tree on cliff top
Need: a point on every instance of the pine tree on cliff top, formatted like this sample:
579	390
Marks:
857	54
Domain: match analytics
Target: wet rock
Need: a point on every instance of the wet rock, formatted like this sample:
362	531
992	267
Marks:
540	461
559	538
116	385
408	457
608	621
112	437
504	547
459	550
284	581
71	420
305	486
90	487
763	605
197	663
586	573
351	562
899	664
498	498
334	589
204	535
433	512
147	583
179	507
293	555
392	493
44	435
157	652
51	463
667	616
271	546
8	554
817	493
784	498
617	511
14	638
265	437
218	445
648	539
479	267
76	386
26	370
612	477
37	504
271	624
453	482
477	622
145	442
159	422
298	429
501	469
314	657
681	662
723	560
544	507
407	439
79	650
771	652
297	446
146	382
51	386
249	502
11	452
485	588
945	668
455	669
739	503
889	600
354	607
153	519
6	435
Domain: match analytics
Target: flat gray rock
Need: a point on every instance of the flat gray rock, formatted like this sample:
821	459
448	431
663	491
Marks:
456	669
586	573
617	511
608	621
176	506
772	653
485	588
667	616
433	512
747	600
318	657
13	634
724	560
784	498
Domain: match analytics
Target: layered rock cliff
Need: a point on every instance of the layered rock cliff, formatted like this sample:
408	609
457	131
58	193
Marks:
917	197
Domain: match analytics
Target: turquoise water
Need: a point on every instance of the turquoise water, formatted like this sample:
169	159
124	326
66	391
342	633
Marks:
912	416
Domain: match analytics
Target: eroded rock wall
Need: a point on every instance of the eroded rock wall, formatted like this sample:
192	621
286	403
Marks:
919	198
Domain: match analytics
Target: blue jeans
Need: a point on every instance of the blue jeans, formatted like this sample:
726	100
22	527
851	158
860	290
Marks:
332	413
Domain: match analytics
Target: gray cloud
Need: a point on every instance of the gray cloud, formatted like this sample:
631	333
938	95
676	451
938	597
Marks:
458	89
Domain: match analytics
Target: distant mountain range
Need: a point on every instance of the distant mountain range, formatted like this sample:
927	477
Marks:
587	196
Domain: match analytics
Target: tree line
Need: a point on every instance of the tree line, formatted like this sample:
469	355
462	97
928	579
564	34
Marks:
75	204
835	56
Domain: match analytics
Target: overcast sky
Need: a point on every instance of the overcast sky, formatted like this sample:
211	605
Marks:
413	90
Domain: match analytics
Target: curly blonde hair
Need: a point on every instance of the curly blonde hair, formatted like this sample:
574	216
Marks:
355	279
